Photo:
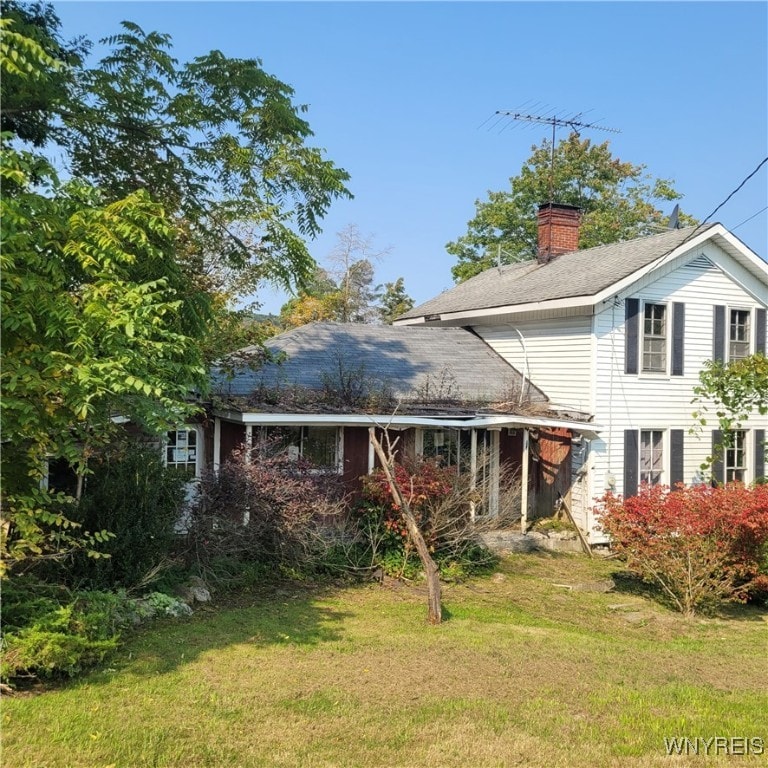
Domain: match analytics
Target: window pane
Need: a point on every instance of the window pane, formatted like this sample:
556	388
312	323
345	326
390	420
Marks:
319	446
442	444
651	456
738	334
655	338
181	451
736	457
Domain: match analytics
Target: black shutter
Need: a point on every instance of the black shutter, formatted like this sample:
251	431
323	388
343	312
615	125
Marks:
718	333
631	462
632	334
718	469
760	330
678	338
759	453
676	457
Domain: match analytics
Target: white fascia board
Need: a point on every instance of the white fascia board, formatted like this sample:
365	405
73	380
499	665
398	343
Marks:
510	309
390	421
745	253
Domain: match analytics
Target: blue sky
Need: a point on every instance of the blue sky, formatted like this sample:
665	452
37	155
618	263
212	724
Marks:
398	94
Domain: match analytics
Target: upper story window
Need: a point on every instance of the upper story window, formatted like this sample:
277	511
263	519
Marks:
655	337
651	456
738	334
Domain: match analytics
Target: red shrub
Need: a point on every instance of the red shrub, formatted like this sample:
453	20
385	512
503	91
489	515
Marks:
425	484
701	544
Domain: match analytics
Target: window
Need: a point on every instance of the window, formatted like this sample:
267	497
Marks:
655	338
318	445
738	335
736	457
651	456
182	451
442	444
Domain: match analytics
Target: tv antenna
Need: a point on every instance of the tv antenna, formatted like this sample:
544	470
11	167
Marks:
556	122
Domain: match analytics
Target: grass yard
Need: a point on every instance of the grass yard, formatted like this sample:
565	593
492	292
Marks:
523	672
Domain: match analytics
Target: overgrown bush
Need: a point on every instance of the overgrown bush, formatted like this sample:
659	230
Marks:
263	507
441	498
132	494
49	631
701	545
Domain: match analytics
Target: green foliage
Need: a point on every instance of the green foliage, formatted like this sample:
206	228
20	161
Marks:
60	639
50	632
134	495
619	201
343	293
189	182
39	69
218	140
394	301
734	390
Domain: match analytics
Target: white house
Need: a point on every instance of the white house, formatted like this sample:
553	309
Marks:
619	333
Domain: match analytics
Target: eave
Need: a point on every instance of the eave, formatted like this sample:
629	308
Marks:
390	421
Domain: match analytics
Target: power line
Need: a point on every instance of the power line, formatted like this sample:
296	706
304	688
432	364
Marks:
750	218
760	165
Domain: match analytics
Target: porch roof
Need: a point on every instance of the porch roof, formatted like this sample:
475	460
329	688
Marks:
491	421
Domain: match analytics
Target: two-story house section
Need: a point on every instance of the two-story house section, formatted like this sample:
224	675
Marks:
621	332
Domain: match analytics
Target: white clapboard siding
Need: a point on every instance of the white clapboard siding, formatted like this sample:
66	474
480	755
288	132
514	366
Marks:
555	353
648	401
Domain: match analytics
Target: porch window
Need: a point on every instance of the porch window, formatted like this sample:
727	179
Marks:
182	451
441	444
318	445
738	335
655	338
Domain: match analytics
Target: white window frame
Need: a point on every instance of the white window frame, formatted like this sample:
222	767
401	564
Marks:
748	332
455	434
729	453
664	454
644	336
199	446
338	463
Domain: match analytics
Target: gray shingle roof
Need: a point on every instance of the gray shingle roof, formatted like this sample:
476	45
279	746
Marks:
415	363
579	273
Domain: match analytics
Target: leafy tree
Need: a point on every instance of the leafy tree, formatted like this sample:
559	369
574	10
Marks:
316	302
344	293
735	390
394	301
619	201
29	102
109	291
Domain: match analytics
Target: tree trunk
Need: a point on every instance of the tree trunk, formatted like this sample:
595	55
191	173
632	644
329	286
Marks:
435	614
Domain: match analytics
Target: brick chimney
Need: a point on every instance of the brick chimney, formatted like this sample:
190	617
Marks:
558	230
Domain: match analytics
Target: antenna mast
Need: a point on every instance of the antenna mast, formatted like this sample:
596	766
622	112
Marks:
555	122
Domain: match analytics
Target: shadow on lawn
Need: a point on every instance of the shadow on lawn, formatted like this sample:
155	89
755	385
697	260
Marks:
628	583
288	616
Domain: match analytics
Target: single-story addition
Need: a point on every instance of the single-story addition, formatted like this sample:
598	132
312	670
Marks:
445	391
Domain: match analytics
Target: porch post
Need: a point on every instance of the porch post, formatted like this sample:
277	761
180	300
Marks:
524	481
371	456
248	442
473	472
216	444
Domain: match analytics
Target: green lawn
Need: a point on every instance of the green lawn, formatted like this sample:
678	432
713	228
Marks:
523	672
